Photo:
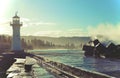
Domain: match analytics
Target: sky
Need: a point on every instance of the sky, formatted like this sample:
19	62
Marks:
57	18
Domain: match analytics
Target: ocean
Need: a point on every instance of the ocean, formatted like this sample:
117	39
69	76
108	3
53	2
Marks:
76	58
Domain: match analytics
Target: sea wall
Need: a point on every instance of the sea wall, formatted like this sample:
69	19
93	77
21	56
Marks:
70	71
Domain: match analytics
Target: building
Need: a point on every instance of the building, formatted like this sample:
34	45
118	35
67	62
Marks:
16	42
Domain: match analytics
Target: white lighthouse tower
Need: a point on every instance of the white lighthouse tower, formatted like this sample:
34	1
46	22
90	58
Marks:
16	42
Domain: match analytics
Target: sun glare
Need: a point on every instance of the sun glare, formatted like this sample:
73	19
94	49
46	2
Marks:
3	6
2	30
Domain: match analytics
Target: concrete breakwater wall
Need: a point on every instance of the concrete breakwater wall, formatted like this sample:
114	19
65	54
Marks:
69	71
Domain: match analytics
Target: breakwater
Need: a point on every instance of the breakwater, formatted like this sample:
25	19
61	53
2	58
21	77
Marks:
66	71
61	70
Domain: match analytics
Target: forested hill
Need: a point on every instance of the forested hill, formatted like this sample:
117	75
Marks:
37	42
61	40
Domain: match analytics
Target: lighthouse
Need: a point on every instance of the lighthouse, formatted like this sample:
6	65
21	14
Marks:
16	42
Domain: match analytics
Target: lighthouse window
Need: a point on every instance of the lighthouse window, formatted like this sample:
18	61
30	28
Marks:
16	19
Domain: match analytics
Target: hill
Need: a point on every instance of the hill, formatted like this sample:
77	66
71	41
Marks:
61	40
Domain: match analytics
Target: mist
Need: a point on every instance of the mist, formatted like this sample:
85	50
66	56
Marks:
106	32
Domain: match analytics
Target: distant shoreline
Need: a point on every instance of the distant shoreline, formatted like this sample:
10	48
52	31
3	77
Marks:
54	49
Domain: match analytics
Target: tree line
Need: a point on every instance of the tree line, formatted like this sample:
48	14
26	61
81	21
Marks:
5	44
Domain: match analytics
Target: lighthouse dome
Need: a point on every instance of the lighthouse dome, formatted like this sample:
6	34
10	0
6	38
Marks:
16	16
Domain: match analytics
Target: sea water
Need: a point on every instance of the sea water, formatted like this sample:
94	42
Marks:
76	58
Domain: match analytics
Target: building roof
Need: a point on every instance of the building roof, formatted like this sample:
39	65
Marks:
16	16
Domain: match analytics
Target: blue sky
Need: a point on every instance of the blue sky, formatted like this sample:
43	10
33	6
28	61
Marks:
63	17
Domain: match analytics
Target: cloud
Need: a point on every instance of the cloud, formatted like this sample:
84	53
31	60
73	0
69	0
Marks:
4	21
25	19
42	23
27	22
59	33
5	27
48	33
109	31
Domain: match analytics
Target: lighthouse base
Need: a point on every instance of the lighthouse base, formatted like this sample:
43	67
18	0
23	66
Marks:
19	53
